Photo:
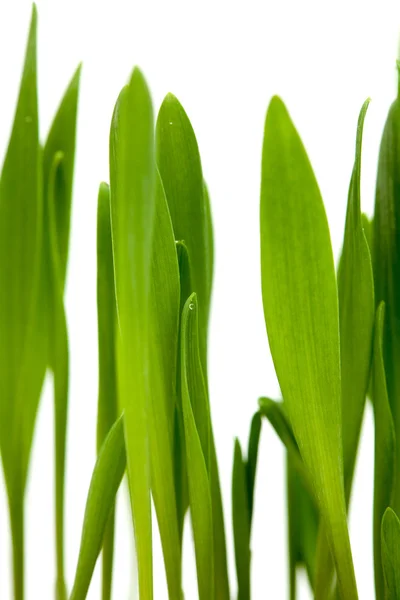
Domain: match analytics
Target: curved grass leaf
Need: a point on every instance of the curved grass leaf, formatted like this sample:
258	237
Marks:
301	314
198	477
165	299
22	321
106	479
107	410
241	523
61	138
132	186
391	554
178	159
386	250
356	322
384	476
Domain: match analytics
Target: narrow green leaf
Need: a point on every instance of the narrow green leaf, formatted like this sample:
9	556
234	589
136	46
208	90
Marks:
61	138
106	479
368	226
301	314
132	177
241	523
107	408
198	478
165	300
391	554
386	252
384	476
356	321
178	159
251	463
22	347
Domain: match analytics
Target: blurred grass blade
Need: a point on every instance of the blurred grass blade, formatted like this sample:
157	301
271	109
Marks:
251	463
61	138
386	252
384	476
178	159
106	479
165	299
301	314
198	478
241	523
391	554
22	347
132	188
107	410
356	322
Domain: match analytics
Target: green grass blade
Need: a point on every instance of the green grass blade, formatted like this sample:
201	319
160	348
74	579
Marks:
107	410
356	317
106	479
165	300
178	159
386	250
391	554
384	476
198	478
61	138
368	226
356	321
22	348
132	185
241	523
301	314
252	455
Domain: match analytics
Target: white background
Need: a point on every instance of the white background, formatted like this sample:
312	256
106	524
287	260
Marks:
223	60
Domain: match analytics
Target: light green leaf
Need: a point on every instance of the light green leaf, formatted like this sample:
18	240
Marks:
241	523
385	472
23	337
391	554
301	314
107	408
164	320
132	186
106	479
386	265
198	478
178	159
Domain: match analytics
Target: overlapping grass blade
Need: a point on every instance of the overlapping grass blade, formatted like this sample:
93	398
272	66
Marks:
58	168
188	200
384	476
106	479
241	523
107	410
22	320
301	313
391	554
386	252
356	322
132	186
198	476
164	323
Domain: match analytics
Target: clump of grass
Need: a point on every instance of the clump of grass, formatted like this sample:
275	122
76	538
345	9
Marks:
333	333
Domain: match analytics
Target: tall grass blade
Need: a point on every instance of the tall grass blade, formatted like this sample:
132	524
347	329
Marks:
132	186
391	554
107	410
301	314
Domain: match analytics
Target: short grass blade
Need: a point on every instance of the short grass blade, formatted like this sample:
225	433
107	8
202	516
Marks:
391	554
106	479
241	523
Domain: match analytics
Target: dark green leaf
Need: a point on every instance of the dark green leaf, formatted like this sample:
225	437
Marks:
391	554
241	523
